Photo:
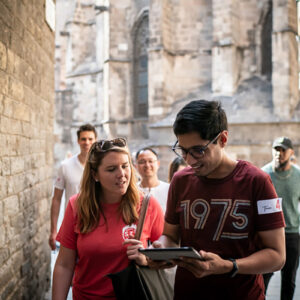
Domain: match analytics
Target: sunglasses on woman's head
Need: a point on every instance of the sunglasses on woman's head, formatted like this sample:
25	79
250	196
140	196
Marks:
105	145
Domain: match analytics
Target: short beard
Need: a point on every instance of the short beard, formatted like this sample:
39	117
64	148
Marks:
280	166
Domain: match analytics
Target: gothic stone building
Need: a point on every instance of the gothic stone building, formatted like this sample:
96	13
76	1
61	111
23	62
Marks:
128	67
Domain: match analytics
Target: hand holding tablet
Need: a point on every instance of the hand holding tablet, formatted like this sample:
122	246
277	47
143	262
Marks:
165	254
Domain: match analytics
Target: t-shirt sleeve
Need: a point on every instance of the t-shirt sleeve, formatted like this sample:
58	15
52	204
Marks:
60	181
67	235
269	213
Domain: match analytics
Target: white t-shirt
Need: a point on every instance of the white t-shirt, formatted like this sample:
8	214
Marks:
69	177
160	193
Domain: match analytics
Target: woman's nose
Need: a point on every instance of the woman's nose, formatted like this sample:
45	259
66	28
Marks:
121	172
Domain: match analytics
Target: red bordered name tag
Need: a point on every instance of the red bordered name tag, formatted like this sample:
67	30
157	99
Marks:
269	206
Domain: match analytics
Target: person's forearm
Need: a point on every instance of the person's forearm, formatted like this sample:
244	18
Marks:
62	278
54	214
264	261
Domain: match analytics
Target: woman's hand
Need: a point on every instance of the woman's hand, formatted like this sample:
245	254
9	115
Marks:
133	253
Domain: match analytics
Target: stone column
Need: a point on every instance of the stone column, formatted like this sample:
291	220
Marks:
285	58
224	52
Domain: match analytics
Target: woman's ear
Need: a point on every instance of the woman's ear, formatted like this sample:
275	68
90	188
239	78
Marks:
95	176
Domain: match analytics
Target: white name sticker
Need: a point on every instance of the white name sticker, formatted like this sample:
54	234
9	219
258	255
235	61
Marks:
269	206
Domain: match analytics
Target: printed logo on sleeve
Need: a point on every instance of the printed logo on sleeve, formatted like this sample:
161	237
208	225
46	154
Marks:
128	230
269	206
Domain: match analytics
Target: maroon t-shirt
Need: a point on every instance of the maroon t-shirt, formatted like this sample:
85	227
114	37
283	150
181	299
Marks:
222	216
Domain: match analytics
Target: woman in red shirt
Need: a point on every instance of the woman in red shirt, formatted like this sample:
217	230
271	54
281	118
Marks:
97	232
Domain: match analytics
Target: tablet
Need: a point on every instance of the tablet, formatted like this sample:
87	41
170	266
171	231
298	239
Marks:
170	253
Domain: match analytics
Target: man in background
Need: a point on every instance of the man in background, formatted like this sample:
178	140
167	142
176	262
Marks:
286	179
69	176
147	164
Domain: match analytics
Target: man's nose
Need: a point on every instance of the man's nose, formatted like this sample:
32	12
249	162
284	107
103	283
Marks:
190	160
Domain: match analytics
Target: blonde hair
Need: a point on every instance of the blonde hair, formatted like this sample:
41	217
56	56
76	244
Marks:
89	209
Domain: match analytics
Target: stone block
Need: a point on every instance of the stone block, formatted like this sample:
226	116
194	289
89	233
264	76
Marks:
3	56
15	45
11	5
16	165
18	222
16	127
5	15
1	209
18	181
8	289
3	143
43	206
8	104
1	104
4	252
5	33
19	28
4	82
3	193
17	260
10	62
10	186
25	268
11	205
6	170
5	276
17	293
16	89
22	146
12	144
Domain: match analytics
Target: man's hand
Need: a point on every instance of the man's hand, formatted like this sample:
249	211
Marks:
52	240
159	264
211	264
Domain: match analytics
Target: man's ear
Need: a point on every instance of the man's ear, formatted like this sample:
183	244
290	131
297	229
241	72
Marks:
158	163
224	138
292	152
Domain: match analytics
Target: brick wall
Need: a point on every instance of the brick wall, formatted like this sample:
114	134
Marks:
26	148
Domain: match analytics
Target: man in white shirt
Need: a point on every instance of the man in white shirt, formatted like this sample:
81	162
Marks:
69	176
147	164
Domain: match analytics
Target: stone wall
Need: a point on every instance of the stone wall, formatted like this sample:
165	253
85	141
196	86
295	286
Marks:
26	151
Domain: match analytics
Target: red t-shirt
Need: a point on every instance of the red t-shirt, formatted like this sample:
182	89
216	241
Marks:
222	216
101	252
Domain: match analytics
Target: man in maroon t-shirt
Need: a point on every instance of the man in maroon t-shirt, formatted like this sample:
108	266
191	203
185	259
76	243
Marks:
227	210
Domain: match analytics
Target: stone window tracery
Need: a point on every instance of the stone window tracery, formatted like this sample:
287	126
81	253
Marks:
140	68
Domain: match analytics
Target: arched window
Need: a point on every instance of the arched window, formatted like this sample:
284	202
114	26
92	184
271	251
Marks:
266	44
140	68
